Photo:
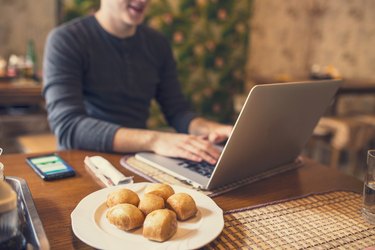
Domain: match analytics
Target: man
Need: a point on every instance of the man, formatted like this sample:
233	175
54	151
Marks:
100	74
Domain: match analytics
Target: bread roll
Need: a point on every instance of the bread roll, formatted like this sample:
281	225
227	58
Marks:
150	202
125	216
160	225
122	196
183	205
160	189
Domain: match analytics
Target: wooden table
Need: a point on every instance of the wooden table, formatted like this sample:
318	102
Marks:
352	87
56	200
357	87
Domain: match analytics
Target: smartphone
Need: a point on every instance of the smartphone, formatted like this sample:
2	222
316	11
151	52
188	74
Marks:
50	167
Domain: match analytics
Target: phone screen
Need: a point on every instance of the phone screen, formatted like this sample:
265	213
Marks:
51	166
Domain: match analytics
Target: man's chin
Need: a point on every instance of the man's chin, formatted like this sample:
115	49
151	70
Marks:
135	17
134	21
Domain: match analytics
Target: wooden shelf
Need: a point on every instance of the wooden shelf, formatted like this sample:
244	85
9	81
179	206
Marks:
20	93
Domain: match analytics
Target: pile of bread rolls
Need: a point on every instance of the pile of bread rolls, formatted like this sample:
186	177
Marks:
158	210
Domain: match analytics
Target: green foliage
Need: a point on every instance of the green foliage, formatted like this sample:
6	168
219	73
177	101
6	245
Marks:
77	8
209	39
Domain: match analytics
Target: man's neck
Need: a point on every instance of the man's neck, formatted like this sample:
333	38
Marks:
114	26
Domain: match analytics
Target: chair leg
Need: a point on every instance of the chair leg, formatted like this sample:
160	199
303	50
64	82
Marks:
335	157
352	162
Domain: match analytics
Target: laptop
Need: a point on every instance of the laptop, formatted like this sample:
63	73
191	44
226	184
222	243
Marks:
271	131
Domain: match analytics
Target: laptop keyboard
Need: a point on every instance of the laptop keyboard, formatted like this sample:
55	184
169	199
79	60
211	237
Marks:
203	168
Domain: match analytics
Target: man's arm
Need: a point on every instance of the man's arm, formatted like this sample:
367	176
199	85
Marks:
63	73
192	147
169	95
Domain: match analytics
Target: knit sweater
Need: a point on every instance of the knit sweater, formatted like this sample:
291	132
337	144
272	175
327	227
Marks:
95	83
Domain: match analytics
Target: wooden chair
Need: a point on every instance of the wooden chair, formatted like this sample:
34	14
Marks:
350	135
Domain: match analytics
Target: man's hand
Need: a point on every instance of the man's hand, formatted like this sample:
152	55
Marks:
191	147
213	131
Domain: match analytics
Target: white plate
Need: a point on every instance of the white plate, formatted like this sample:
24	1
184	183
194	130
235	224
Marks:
92	227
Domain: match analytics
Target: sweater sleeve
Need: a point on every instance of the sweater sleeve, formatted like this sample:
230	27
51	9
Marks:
63	92
169	95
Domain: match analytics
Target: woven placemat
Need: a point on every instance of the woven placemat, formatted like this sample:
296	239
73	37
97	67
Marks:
155	175
320	221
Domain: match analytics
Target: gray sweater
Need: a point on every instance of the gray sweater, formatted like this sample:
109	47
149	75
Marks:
95	83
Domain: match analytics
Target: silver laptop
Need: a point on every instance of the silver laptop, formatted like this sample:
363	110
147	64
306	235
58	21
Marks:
271	130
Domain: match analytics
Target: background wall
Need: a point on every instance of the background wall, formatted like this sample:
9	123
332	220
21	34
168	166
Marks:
288	37
21	20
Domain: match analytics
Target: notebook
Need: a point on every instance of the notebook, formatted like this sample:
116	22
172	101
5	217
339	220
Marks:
271	130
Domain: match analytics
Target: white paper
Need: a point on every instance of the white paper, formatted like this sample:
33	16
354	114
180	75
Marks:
104	167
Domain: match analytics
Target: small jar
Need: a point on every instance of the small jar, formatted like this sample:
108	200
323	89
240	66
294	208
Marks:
8	212
10	235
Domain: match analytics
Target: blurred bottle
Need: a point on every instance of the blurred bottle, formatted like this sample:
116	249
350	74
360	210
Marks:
328	72
12	66
30	61
3	67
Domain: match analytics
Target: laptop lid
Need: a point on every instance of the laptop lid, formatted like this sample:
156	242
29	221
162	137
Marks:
274	125
271	130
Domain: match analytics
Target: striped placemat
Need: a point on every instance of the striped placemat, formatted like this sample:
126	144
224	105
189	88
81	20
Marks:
155	175
320	221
